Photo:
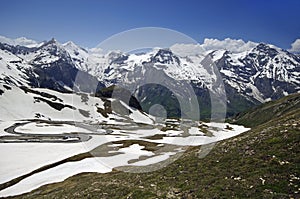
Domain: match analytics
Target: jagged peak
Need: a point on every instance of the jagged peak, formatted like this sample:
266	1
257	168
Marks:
52	43
53	40
265	46
164	52
165	55
72	45
69	43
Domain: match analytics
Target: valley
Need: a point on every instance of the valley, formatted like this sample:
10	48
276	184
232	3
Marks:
59	149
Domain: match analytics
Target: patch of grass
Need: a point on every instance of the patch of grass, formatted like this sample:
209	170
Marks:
204	129
268	111
149	146
156	137
274	140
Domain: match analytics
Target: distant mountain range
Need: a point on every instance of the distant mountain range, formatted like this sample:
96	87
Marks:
252	75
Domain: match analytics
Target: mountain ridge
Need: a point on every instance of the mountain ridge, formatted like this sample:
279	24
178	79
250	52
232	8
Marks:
253	74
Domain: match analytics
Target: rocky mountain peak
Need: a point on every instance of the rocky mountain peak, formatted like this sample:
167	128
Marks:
165	56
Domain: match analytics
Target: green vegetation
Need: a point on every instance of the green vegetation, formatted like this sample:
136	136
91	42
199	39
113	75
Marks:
269	111
148	146
261	163
121	94
151	94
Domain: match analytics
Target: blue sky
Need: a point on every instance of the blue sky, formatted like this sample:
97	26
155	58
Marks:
88	22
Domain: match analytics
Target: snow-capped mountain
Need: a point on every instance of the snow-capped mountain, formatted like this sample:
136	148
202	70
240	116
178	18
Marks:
252	72
47	66
264	72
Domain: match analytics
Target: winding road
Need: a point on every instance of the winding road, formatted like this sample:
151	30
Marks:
18	137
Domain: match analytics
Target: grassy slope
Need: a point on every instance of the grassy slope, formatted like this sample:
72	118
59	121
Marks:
235	168
269	110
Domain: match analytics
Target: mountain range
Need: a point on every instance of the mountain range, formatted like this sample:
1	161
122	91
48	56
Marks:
251	75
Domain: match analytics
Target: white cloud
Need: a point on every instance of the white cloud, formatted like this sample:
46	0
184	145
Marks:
295	46
22	41
233	45
95	50
187	49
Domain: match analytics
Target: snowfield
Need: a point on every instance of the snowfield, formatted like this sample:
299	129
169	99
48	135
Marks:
45	128
18	159
41	127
